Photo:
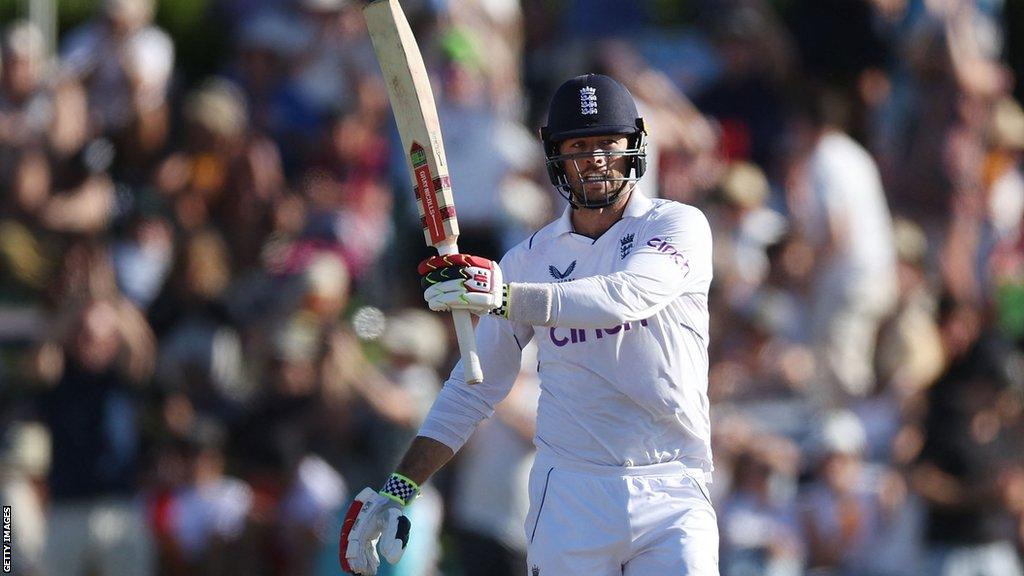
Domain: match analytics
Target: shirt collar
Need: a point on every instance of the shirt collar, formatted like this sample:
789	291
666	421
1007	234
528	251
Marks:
636	206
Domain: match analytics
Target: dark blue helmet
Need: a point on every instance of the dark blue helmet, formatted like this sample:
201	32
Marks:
593	105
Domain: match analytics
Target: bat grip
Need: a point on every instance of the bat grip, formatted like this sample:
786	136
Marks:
464	333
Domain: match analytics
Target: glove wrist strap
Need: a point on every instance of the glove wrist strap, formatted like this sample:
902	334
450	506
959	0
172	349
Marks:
400	489
505	302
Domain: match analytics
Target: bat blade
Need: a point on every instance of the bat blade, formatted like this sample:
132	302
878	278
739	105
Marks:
412	103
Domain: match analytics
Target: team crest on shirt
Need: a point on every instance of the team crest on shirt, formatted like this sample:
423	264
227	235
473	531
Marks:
535	571
625	246
588	100
560	275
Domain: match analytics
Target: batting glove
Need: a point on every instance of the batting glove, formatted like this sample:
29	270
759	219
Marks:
375	521
463	282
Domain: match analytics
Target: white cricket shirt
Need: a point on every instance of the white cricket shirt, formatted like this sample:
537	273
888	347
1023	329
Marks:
624	367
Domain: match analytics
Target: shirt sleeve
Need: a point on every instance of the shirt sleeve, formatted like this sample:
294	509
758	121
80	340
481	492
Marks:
673	257
459	407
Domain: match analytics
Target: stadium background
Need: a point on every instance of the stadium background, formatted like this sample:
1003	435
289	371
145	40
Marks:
210	327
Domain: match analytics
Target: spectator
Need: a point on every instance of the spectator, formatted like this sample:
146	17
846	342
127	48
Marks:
949	74
26	105
220	163
339	56
755	61
910	355
839	202
92	412
209	514
352	214
987	218
851	509
200	358
969	468
742	256
124	61
501	23
759	523
309	516
910	348
142	261
479	164
269	47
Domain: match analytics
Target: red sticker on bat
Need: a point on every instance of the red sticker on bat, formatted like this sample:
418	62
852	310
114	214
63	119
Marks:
427	194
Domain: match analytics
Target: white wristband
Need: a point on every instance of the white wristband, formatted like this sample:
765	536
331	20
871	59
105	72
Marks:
530	303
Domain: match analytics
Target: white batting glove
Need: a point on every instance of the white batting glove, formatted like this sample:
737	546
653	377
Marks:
463	282
375	522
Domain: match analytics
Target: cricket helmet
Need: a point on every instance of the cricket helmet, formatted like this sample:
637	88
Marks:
593	105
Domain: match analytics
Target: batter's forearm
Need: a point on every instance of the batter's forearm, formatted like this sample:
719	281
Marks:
591	302
424	457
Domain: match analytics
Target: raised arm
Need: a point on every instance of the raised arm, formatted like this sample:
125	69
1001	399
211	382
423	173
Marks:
673	258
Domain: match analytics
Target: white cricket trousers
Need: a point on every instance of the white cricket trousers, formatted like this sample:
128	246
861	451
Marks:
588	520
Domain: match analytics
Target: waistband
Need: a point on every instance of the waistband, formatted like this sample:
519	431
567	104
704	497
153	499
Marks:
674	468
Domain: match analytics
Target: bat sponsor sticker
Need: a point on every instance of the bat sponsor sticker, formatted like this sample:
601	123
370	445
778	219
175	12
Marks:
427	194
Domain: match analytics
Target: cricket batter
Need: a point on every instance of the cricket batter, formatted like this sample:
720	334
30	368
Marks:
615	292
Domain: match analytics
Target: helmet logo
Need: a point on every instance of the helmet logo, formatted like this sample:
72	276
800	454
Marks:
588	100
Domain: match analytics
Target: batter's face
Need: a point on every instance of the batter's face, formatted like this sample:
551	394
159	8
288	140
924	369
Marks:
597	171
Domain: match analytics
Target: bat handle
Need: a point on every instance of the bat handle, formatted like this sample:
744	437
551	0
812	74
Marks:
467	346
464	334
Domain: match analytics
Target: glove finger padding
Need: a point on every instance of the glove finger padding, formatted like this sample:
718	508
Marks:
395	536
450	261
460	282
452	295
371	518
443	275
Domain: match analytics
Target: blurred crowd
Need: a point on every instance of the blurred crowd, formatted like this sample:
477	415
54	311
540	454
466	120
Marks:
211	329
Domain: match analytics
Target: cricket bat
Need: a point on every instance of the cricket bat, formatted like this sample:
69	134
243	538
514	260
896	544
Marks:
412	103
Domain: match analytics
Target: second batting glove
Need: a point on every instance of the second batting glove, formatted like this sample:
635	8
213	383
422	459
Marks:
375	522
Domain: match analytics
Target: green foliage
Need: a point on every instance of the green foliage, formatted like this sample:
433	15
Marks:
180	17
672	13
199	45
197	41
1010	308
69	12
